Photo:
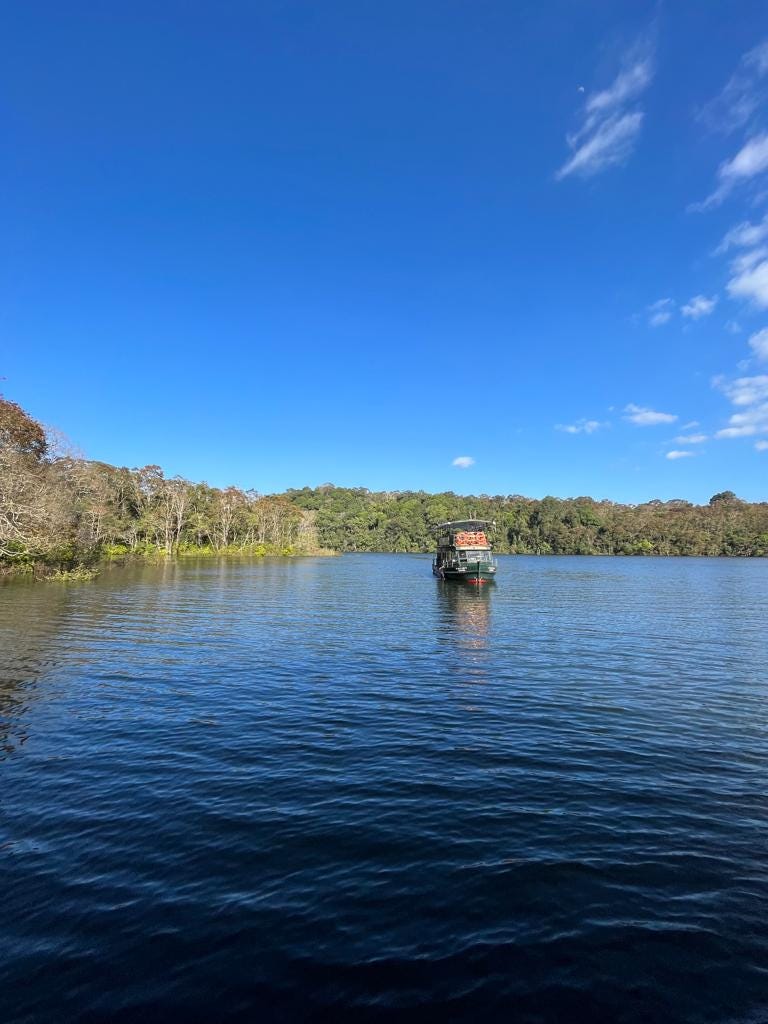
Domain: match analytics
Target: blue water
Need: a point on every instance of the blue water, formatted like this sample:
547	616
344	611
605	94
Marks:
342	790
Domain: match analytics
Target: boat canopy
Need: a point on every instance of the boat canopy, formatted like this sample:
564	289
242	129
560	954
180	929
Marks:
464	524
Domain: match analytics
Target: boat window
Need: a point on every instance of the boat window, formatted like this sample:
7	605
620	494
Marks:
473	556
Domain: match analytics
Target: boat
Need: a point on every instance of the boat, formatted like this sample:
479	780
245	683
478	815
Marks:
464	551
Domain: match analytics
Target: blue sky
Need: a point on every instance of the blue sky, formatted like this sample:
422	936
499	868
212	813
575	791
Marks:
281	243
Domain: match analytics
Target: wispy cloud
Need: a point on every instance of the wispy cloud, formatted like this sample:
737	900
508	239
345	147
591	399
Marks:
747	261
463	461
749	264
750	396
609	144
744	390
643	417
761	446
699	306
750	282
759	344
674	454
744	236
611	121
740	106
746	424
691	439
660	312
743	96
750	161
582	426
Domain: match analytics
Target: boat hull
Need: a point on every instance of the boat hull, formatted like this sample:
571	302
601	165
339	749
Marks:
473	574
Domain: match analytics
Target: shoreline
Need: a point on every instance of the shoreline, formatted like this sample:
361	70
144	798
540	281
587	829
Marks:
86	571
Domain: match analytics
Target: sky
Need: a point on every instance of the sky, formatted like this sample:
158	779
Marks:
487	247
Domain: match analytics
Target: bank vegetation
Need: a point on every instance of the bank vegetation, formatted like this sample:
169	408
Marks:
61	515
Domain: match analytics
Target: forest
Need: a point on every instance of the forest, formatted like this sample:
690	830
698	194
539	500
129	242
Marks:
60	513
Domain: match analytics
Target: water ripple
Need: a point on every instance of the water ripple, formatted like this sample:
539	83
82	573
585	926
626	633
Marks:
337	789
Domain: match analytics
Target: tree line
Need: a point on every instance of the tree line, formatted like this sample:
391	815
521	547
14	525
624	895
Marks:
360	520
58	510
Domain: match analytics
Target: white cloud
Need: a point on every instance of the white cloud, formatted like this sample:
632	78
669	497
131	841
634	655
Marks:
751	284
744	236
759	344
626	86
749	269
743	94
752	159
609	128
744	390
747	260
699	306
680	455
761	446
609	144
643	417
691	438
660	312
746	424
750	396
463	461
581	427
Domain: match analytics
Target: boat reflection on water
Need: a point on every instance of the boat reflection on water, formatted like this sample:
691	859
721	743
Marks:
465	615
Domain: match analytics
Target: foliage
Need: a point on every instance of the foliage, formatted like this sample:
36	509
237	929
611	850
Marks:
727	496
19	433
355	519
63	512
80	574
66	513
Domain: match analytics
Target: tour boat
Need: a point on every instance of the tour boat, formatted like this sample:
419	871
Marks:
464	551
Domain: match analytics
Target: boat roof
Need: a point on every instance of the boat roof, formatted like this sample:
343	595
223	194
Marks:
465	524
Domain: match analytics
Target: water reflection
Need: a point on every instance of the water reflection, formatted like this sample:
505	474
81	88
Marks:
32	614
466	617
269	781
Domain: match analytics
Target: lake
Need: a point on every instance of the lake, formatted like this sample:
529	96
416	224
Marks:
338	789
